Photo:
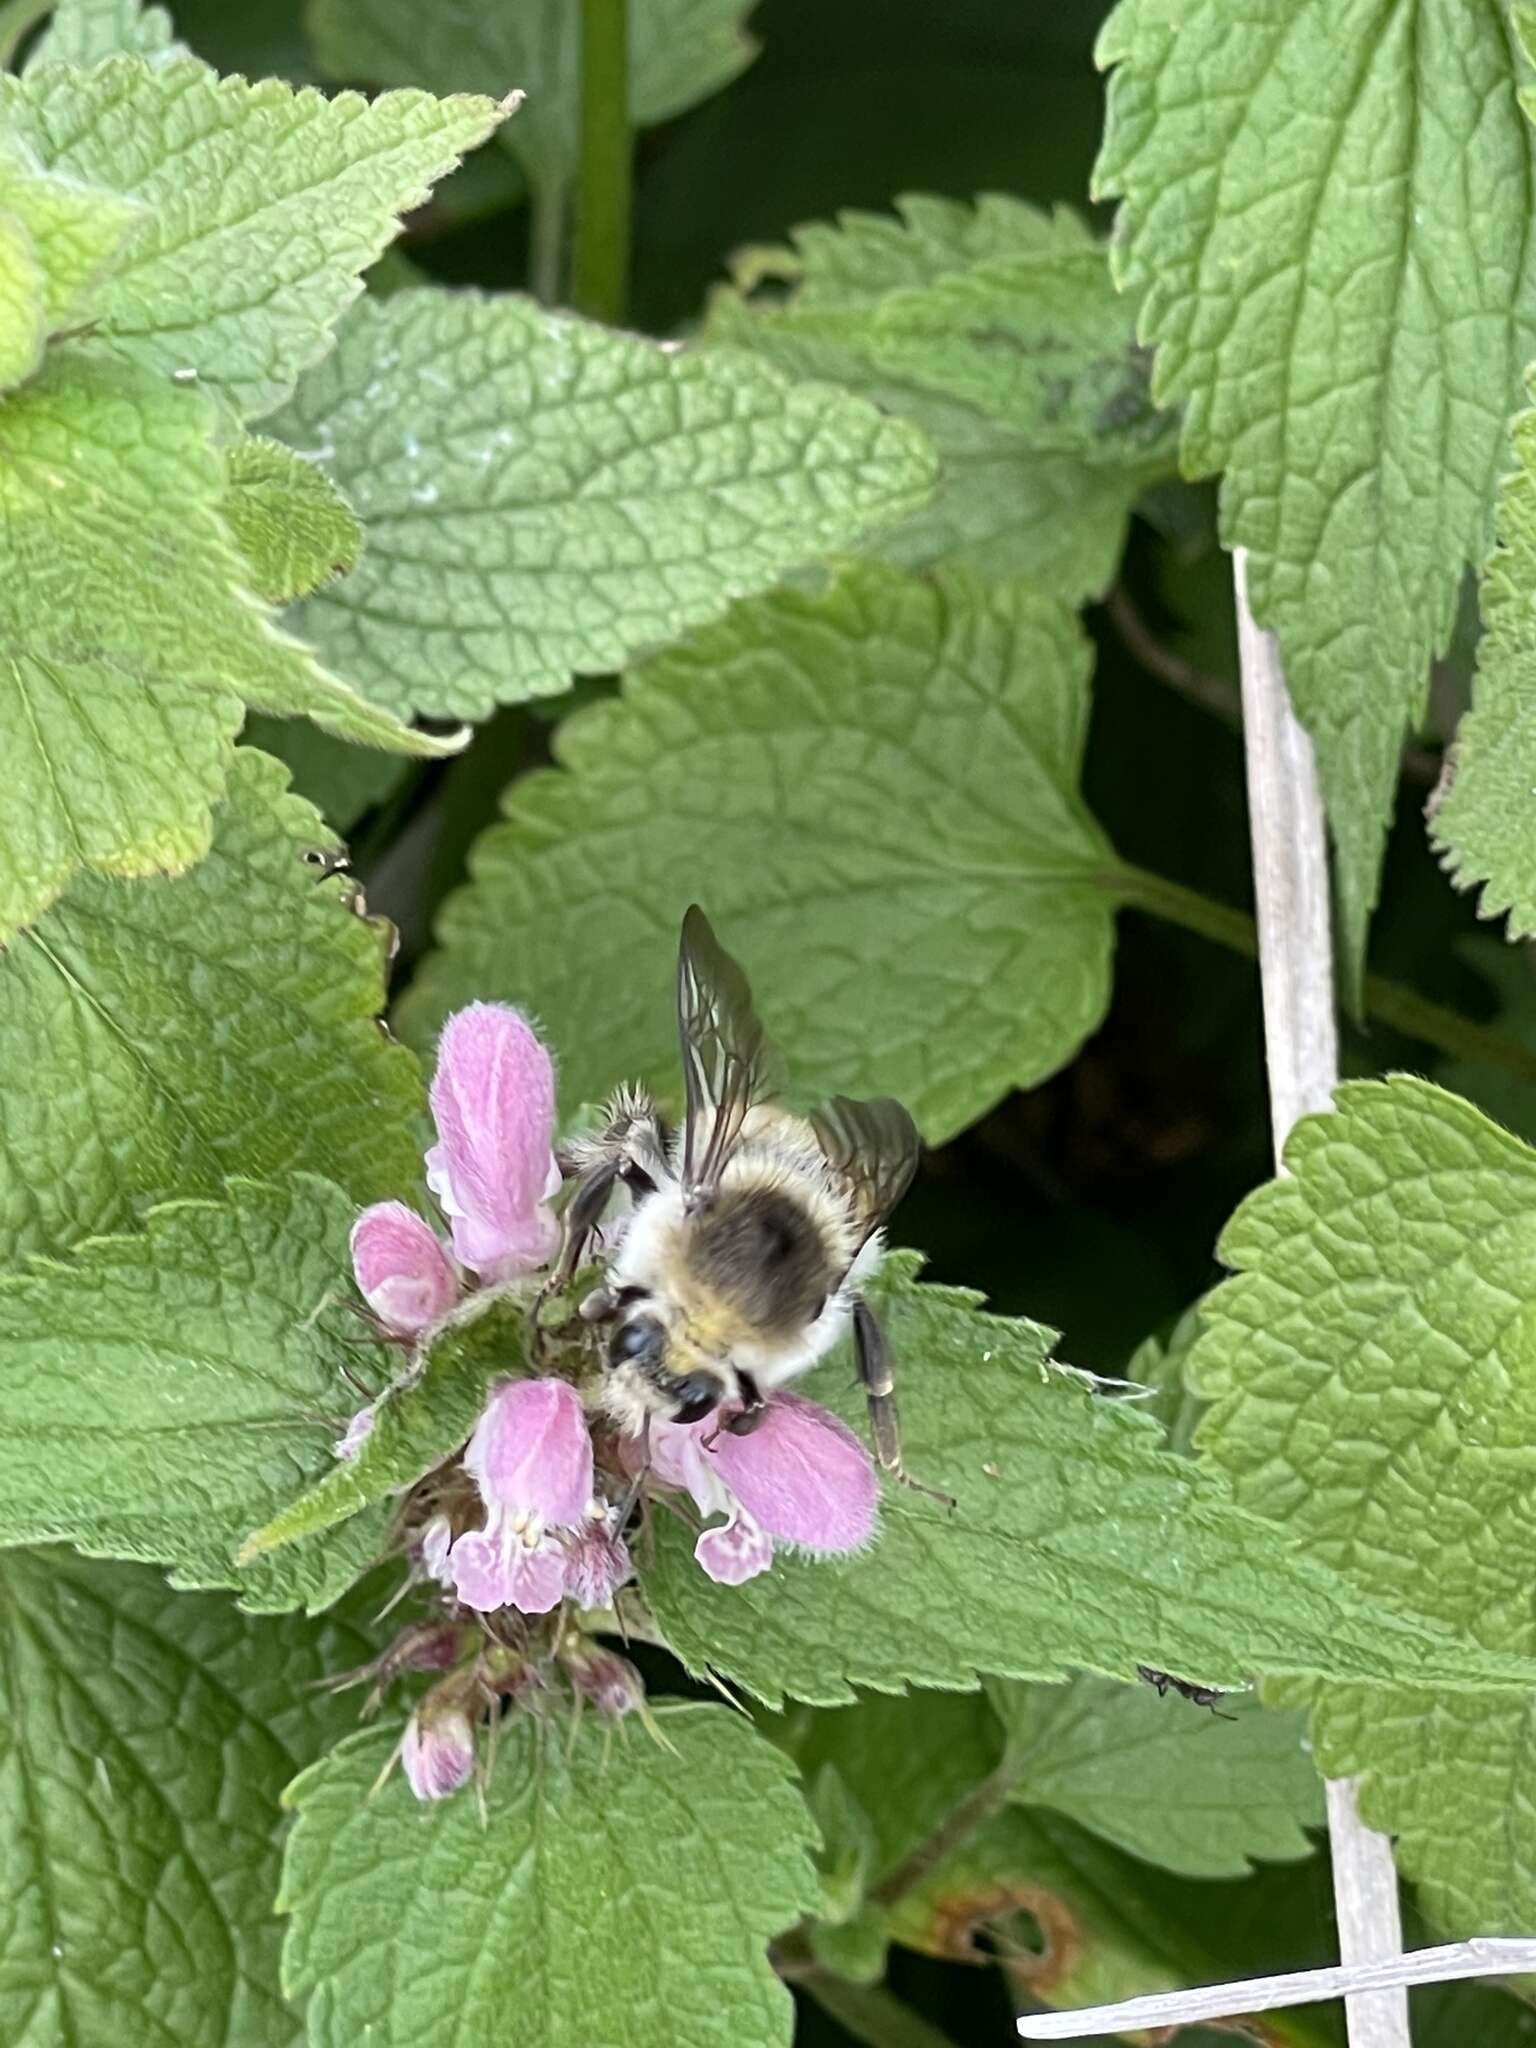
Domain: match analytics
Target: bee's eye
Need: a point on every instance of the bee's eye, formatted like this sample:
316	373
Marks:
638	1341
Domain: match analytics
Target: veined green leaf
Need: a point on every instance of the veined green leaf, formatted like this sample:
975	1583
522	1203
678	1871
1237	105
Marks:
1148	1774
340	780
1076	1540
265	204
129	642
998	330
1372	1369
62	235
128	1085
1483	828
874	791
417	1424
83	32
680	51
294	528
22	322
146	1740
1326	208
543	496
167	1392
565	1926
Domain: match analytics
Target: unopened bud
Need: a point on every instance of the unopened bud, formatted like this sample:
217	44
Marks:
438	1752
609	1681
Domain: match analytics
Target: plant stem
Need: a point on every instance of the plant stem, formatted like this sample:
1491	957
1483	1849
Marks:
600	259
546	238
869	2012
1387	1001
957	1827
16	18
1290	876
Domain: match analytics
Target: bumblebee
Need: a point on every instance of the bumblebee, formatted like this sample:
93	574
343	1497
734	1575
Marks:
752	1231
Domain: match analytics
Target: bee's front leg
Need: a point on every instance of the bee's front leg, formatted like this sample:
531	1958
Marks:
873	1356
754	1409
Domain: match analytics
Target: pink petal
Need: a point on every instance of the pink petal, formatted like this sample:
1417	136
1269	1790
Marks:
802	1475
735	1553
477	1570
531	1453
438	1755
678	1459
490	1568
538	1578
493	1168
401	1268
436	1540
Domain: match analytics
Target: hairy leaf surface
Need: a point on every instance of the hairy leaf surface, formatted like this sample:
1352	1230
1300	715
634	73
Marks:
293	526
543	497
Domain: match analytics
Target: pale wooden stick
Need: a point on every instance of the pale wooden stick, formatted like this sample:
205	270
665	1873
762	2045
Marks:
1255	1995
1301	1051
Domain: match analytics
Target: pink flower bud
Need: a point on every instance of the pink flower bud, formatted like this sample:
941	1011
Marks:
609	1681
493	1168
438	1752
356	1434
401	1268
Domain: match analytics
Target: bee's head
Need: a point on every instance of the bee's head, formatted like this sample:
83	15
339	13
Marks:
640	1346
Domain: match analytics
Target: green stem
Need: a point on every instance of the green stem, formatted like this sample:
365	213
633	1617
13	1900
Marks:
16	18
546	238
869	2012
957	1827
1387	1001
600	258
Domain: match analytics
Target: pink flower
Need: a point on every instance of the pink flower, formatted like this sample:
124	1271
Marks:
801	1477
403	1271
493	1168
597	1562
438	1752
531	1458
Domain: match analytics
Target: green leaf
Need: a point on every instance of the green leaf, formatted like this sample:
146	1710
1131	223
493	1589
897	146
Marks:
1372	1369
1076	1540
881	785
631	1903
63	235
146	1741
128	1082
22	325
294	528
1153	1776
416	1425
680	51
129	642
1326	208
998	330
83	32
340	780
1482	829
265	204
1080	1923
543	496
167	1392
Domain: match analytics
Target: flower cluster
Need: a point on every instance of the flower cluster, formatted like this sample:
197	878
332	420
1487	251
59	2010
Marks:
545	1533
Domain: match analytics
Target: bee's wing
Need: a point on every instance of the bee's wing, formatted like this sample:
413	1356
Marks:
873	1148
727	1059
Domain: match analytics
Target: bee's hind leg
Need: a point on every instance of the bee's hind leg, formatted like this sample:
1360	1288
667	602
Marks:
873	1357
